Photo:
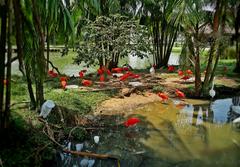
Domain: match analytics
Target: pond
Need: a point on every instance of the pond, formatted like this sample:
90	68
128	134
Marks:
199	133
134	61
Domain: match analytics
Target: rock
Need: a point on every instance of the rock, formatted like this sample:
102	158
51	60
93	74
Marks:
72	87
135	84
84	162
125	90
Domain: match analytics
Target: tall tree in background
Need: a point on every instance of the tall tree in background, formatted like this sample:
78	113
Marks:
3	16
162	16
9	56
213	45
193	24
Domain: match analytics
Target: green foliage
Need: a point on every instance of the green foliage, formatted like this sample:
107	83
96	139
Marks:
79	134
229	53
111	38
157	89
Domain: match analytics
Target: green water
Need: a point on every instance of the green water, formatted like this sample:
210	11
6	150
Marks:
191	136
198	133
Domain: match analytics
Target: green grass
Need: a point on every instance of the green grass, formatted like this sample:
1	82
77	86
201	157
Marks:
177	49
62	61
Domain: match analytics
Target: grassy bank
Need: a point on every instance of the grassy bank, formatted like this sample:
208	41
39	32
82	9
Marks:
26	144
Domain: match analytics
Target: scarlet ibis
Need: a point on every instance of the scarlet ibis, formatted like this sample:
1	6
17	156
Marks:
189	72
179	94
81	74
171	68
100	71
131	122
64	84
163	96
124	77
87	82
109	72
101	78
117	70
52	74
125	69
180	73
63	78
135	76
186	77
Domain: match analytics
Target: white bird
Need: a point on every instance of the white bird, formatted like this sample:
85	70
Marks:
46	108
152	70
212	92
96	139
237	120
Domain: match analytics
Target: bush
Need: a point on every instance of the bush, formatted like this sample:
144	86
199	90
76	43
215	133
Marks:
229	53
157	89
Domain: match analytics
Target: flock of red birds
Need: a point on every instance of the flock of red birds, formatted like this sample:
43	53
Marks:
102	72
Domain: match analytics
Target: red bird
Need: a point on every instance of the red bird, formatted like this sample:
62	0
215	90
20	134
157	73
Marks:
124	77
52	74
171	68
81	74
163	96
135	76
189	72
101	78
64	84
87	82
63	78
186	77
125	69
100	71
131	122
180	73
109	72
179	94
117	70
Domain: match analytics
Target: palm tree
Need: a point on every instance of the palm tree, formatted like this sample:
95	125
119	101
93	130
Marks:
213	45
193	23
56	15
162	17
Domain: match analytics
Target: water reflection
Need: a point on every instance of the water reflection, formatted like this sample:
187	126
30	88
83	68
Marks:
218	112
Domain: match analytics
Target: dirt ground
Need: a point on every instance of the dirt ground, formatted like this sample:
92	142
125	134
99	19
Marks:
169	82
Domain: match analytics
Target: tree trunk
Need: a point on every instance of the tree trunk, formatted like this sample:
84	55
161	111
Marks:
19	41
40	59
48	47
19	30
3	13
9	56
209	69
198	82
237	25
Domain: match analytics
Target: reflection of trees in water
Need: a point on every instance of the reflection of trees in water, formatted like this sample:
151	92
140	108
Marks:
202	113
232	114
